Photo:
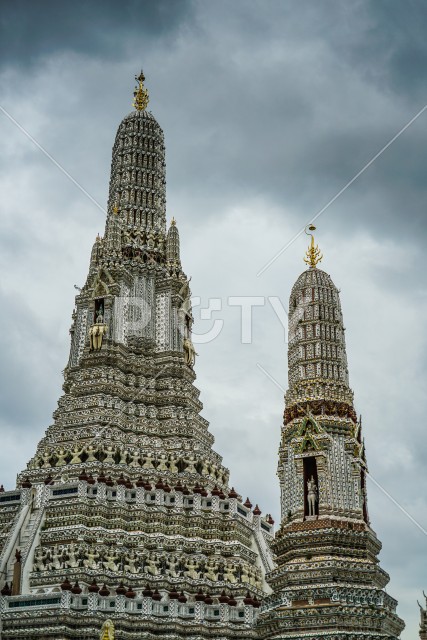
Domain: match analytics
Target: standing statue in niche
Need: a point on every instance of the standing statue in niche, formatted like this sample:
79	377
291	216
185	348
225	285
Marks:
97	331
311	496
100	314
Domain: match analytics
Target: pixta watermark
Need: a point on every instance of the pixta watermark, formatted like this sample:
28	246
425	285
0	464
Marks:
210	315
214	316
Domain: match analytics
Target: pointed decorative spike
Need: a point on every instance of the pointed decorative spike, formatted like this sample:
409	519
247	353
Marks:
313	254
140	101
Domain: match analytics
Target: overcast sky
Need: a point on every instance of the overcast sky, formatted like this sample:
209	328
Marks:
269	109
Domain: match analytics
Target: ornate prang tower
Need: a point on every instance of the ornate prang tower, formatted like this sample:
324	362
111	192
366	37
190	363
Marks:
327	583
125	511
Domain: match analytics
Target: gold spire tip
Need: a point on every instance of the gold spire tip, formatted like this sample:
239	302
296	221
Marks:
173	222
140	100
313	254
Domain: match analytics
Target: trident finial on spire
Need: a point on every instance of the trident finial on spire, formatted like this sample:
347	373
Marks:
313	254
140	100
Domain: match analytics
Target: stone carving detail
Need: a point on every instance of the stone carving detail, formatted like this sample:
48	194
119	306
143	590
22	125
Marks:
99	558
162	322
78	336
190	352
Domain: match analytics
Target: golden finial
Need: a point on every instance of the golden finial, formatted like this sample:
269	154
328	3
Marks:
314	255
173	222
98	238
140	100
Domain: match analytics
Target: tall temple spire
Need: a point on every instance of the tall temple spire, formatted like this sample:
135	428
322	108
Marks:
137	193
125	510
317	359
172	244
326	550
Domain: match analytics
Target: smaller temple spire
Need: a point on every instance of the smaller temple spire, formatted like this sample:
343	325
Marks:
313	254
140	100
172	244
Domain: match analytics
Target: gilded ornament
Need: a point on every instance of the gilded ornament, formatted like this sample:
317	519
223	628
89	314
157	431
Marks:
107	631
313	254
140	101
